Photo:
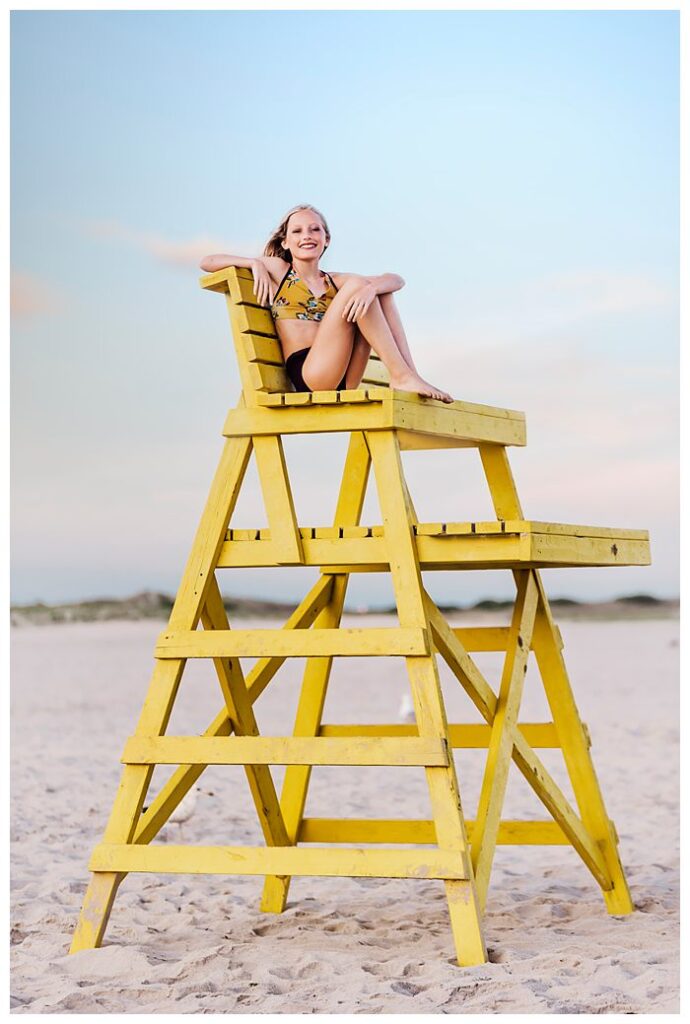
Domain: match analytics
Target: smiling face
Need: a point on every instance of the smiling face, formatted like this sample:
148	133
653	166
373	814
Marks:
306	236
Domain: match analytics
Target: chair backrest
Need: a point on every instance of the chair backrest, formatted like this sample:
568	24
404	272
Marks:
259	355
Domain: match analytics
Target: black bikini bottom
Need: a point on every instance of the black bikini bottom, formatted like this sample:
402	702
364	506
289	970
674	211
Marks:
294	364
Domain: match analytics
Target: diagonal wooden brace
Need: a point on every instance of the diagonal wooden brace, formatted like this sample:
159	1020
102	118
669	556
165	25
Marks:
503	729
534	771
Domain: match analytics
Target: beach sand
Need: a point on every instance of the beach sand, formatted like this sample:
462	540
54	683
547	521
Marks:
187	943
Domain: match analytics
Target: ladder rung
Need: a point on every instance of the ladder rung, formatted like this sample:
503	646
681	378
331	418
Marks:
471	736
284	643
284	750
280	860
398	830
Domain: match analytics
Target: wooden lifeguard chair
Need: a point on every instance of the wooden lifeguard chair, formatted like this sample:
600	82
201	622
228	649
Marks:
380	423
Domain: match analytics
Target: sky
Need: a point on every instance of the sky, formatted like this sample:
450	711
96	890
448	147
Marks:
518	169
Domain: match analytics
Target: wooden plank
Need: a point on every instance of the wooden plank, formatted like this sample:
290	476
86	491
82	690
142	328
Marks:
376	373
397	830
388	395
297	398
314	643
265	377
268	750
454	421
398	518
548	549
288	860
575	530
502	731
305	418
352	531
259	349
278	501
317	670
354	395
325	398
575	742
472	736
274	401
254	320
377	414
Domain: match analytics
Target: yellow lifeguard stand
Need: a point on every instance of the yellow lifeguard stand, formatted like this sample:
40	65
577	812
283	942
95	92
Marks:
381	423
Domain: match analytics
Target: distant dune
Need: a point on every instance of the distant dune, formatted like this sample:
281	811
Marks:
150	605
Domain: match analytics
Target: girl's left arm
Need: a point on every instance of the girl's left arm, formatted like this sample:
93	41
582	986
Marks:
387	283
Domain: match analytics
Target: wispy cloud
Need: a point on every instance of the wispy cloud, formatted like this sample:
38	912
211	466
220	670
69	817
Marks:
590	293
174	252
33	296
564	301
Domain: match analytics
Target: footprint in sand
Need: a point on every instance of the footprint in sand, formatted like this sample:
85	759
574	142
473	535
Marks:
406	988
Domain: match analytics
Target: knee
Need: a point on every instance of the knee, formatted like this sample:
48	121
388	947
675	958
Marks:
353	282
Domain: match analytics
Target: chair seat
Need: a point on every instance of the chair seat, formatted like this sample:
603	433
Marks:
419	422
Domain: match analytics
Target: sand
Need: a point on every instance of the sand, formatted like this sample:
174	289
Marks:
186	944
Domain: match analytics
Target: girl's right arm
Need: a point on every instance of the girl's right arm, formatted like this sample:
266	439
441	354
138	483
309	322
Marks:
264	286
219	262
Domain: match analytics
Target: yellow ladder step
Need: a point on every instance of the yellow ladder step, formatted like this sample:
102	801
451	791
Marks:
280	860
477	736
282	643
399	830
284	750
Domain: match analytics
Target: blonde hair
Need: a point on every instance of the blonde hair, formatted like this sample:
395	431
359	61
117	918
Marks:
274	246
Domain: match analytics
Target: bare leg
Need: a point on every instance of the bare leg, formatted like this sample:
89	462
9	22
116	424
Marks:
361	350
332	348
390	311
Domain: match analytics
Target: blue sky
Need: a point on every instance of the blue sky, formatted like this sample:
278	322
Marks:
519	169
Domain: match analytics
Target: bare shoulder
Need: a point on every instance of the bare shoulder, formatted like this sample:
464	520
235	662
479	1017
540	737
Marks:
276	267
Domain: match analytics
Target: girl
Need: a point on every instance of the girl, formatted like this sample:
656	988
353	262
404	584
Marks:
327	324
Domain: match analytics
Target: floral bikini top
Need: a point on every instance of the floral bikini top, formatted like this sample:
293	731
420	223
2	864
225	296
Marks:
295	300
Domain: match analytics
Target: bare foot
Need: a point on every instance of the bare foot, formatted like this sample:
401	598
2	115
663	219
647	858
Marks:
412	382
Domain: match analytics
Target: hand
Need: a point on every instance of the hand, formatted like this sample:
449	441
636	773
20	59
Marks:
263	285
359	303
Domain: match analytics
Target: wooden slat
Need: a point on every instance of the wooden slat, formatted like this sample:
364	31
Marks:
376	373
265	377
471	736
313	643
289	860
396	830
331	397
275	401
244	293
259	349
254	320
266	750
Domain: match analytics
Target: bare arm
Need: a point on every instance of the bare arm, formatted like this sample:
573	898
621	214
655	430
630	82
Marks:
267	271
220	261
387	283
